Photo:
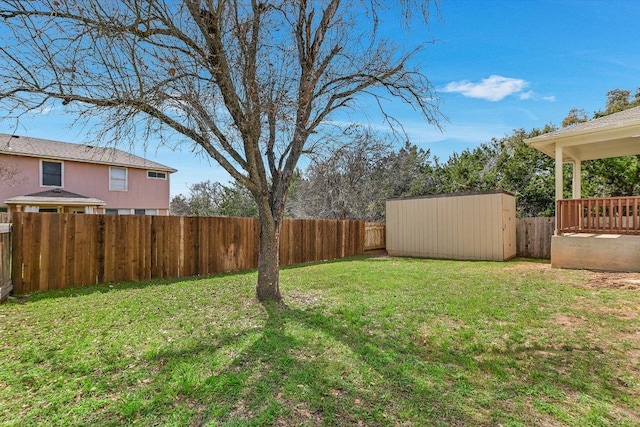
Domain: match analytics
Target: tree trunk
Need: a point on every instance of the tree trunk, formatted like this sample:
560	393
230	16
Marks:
268	287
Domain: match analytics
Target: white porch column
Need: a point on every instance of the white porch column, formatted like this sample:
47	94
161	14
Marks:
558	171
577	180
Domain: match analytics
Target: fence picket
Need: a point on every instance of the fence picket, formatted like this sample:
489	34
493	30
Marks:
6	285
56	250
533	236
375	234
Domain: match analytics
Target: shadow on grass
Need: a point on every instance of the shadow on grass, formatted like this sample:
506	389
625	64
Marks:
303	368
306	367
102	288
311	367
111	287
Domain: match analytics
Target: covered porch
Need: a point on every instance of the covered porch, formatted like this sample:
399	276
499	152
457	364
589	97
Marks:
594	233
55	200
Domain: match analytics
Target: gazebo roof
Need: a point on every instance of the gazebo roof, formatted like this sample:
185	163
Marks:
614	135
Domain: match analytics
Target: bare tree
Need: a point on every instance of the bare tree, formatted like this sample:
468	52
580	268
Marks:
203	200
345	184
209	198
252	84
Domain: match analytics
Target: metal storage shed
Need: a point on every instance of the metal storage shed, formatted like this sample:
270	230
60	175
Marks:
466	226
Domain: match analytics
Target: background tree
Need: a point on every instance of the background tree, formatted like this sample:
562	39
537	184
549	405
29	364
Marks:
354	181
618	176
179	206
471	170
204	200
236	200
249	83
341	184
407	172
619	100
505	163
575	116
209	198
528	173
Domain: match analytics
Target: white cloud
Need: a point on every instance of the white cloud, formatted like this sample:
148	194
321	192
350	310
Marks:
44	110
534	96
527	95
494	88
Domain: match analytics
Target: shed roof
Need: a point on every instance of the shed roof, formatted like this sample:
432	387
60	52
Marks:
45	148
614	135
459	194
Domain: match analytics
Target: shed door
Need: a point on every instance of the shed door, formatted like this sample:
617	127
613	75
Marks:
508	234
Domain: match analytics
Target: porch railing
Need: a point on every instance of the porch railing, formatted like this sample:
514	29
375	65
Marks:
612	215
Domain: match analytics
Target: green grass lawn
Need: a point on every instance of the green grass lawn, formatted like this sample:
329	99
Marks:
366	341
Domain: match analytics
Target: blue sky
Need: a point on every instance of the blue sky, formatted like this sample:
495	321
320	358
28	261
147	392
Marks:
498	66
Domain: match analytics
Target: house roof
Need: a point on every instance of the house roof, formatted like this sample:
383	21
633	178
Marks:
44	148
55	197
614	135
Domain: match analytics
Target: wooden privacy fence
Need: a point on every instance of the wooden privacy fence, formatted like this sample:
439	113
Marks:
5	261
533	237
374	235
52	251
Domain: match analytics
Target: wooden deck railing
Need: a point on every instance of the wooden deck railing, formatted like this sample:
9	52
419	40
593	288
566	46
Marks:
612	215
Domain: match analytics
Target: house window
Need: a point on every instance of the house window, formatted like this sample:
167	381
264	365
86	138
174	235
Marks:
117	179
146	211
156	175
51	173
117	211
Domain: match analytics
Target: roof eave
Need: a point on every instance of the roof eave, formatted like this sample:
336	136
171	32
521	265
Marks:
156	167
53	201
546	143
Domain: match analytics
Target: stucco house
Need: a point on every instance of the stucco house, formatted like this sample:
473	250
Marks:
40	175
602	233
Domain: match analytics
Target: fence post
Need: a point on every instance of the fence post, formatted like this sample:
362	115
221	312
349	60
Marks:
6	284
